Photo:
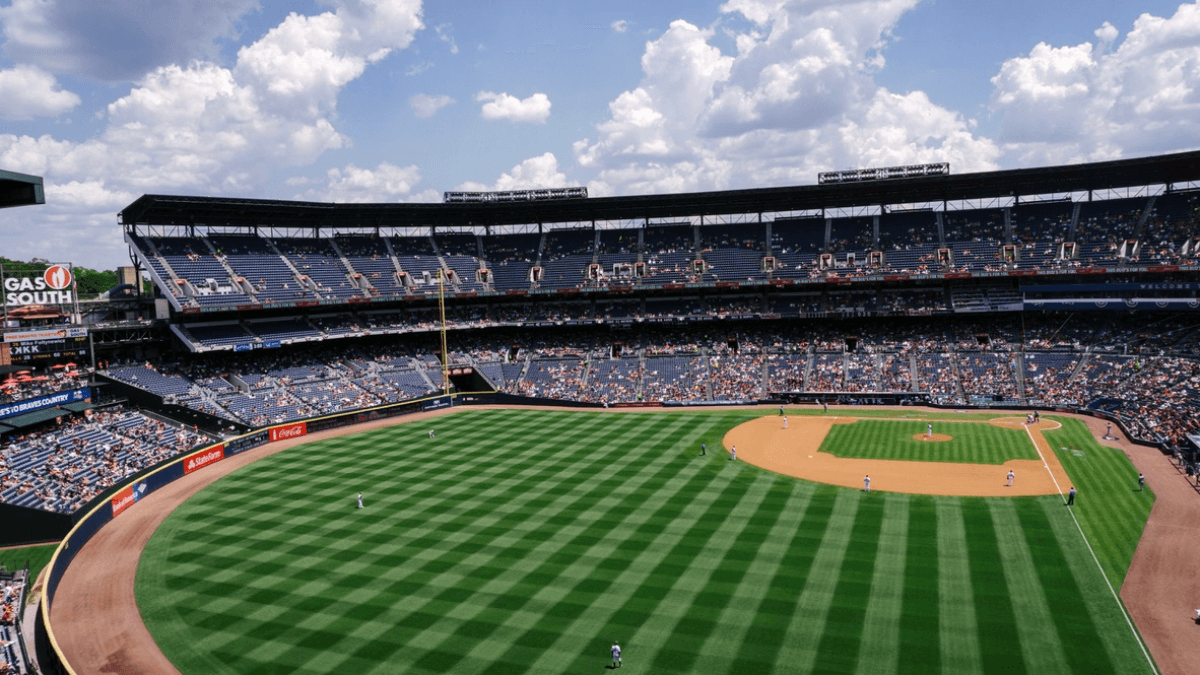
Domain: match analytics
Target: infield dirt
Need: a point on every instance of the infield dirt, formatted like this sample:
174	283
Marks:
795	451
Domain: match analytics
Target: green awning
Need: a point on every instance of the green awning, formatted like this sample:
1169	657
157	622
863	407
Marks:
35	417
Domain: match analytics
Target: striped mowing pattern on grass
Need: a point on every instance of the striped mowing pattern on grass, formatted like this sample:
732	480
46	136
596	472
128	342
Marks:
1111	509
973	442
526	541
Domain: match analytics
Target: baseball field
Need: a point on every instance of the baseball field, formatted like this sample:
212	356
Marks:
523	541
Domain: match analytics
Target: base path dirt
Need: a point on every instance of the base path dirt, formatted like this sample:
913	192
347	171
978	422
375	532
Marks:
98	627
794	451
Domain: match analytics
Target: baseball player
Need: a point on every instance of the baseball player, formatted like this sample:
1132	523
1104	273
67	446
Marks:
733	453
704	448
785	421
867	483
616	654
1011	476
360	500
1071	496
929	430
1141	482
781	411
824	407
431	433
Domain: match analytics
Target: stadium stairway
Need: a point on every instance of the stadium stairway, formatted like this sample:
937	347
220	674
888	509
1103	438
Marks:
310	287
1019	375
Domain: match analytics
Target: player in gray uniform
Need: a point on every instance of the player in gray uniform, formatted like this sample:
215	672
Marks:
360	500
616	654
733	453
1011	476
866	483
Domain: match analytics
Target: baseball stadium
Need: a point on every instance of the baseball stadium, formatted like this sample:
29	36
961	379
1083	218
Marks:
900	421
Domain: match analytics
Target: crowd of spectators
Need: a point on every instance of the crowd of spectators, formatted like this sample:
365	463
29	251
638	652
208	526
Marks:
1026	236
62	467
21	385
12	652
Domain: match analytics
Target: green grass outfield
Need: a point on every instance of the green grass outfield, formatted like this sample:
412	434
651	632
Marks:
13	559
975	442
527	541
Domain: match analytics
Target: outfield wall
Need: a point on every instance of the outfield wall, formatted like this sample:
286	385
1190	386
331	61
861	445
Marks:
117	499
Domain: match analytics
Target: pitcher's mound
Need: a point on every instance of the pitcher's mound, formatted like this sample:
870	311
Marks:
935	437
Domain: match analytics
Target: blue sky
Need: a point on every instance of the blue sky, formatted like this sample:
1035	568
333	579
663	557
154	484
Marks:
398	100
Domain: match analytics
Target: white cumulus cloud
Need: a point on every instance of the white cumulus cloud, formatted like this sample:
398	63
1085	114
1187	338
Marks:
503	106
620	26
425	106
796	98
27	92
207	128
385	183
78	36
536	172
1091	102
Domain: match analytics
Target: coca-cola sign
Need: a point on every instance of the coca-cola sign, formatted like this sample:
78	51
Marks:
288	431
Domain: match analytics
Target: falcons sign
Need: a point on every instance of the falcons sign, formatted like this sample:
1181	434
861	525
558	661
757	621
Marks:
54	287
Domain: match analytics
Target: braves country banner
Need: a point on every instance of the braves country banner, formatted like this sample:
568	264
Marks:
49	401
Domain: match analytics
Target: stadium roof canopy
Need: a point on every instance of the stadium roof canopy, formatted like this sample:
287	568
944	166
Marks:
217	211
18	189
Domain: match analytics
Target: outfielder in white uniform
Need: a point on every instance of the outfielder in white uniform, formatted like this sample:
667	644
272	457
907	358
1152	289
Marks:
360	500
431	433
1011	476
866	483
616	654
733	453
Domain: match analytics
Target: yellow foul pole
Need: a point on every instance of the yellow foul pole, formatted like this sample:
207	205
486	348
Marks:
445	353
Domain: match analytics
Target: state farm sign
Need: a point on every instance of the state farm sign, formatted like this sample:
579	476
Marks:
54	287
288	431
203	458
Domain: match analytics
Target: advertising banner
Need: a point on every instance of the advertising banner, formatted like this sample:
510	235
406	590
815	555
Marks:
203	458
122	500
437	403
48	401
46	334
128	497
287	431
246	442
54	286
